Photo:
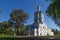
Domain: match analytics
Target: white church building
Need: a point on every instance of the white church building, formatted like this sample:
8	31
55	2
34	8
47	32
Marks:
39	27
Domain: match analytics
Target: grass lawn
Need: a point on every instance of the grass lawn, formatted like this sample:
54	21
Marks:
12	36
4	35
56	36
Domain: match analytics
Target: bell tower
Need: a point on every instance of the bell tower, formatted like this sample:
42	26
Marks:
38	16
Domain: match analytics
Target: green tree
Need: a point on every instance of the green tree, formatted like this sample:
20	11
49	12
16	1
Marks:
55	31
0	11
5	28
53	11
18	17
23	30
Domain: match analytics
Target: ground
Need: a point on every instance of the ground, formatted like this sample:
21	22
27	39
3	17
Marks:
3	37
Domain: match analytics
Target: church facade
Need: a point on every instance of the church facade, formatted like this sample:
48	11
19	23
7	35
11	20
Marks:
39	27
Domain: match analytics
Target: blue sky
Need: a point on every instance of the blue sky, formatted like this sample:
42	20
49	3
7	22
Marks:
7	6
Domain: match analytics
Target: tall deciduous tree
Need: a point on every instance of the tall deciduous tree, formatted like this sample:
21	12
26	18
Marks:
54	11
18	17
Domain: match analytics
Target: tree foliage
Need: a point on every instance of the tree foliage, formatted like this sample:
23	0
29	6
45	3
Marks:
17	18
5	28
0	11
54	11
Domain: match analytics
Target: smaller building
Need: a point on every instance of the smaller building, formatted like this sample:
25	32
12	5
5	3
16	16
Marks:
39	27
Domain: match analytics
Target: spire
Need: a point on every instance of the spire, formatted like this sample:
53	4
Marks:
38	8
